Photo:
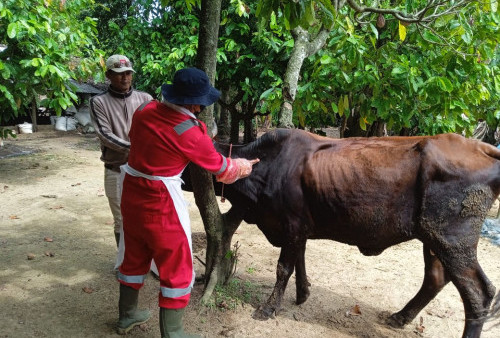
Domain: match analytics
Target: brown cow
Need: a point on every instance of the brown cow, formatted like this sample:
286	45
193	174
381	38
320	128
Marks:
374	193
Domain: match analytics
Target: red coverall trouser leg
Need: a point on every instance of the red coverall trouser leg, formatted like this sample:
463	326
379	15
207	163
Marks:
152	230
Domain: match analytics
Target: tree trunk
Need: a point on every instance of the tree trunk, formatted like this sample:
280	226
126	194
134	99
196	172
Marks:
235	128
223	122
302	49
249	132
378	128
218	268
33	115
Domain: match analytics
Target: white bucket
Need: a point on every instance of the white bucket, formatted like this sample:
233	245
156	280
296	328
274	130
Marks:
25	128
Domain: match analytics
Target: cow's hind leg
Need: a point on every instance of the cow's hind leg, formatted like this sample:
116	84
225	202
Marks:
284	270
474	287
435	278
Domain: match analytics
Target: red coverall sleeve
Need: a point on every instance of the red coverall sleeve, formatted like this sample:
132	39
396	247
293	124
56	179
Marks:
202	152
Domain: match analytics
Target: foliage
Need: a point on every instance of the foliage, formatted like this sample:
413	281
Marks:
107	14
252	61
159	40
6	132
249	60
429	77
47	43
302	13
435	80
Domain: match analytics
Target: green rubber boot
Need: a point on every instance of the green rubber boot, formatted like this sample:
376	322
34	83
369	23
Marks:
130	317
171	324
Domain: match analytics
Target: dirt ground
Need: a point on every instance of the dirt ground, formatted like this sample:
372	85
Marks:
57	252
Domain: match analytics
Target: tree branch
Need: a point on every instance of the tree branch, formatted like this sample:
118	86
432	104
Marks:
433	10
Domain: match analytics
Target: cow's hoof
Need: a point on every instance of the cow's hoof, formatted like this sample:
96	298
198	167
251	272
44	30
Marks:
396	320
264	312
302	297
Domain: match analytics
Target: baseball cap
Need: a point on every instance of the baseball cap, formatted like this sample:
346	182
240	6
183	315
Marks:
119	63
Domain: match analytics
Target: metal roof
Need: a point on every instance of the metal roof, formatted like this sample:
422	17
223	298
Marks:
87	88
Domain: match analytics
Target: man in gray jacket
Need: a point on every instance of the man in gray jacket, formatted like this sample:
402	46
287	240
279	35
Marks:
111	113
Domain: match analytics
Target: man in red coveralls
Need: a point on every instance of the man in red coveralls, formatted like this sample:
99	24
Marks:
166	136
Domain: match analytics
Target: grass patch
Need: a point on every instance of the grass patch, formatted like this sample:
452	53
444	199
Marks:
235	293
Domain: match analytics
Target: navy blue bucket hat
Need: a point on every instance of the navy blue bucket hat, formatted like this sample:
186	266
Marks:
190	86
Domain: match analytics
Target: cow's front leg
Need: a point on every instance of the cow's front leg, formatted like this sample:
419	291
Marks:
284	270
301	282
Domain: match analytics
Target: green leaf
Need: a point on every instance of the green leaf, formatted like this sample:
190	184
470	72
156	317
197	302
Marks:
431	37
350	26
341	106
12	30
346	102
265	94
445	84
9	97
374	30
335	108
398	71
309	14
458	103
43	70
362	123
326	59
63	102
467	37
347	78
229	254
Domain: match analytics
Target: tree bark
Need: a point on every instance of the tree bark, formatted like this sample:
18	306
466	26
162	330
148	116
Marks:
218	268
223	122
33	115
304	47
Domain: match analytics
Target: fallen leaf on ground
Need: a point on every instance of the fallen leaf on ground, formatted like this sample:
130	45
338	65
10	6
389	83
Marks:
86	289
355	311
420	327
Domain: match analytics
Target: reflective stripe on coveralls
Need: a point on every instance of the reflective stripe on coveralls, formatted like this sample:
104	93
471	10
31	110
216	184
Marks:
173	185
